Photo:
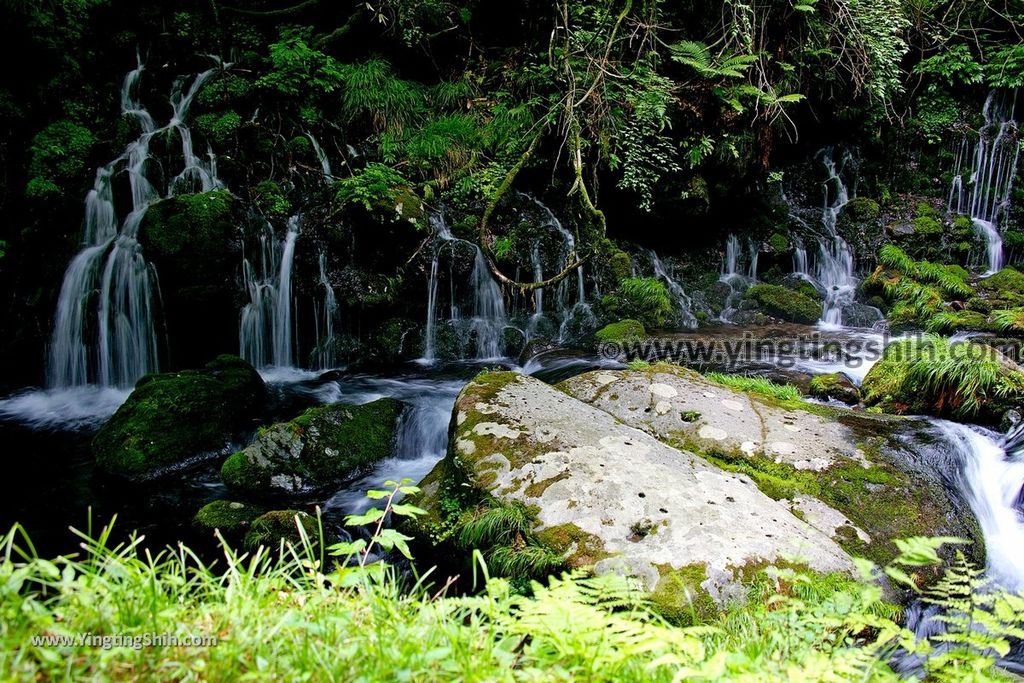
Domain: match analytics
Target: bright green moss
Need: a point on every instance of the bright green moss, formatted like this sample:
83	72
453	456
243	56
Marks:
226	515
621	331
784	303
270	529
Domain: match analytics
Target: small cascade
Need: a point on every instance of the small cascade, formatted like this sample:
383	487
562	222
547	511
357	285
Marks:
986	194
325	164
265	335
735	274
834	270
324	355
488	320
104	325
683	303
538	294
800	265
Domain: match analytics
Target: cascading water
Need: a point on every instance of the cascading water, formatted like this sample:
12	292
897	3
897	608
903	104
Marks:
488	320
683	304
985	197
834	271
737	276
325	164
265	335
325	355
120	345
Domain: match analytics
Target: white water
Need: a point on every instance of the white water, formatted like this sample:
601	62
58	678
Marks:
325	164
834	268
67	408
325	356
266	330
488	320
993	472
985	196
683	304
109	337
735	274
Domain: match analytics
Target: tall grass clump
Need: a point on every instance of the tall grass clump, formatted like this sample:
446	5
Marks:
756	385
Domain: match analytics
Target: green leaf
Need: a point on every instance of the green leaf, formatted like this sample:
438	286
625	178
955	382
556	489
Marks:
371	515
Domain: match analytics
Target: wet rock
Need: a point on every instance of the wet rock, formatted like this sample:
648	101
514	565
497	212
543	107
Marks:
227	516
175	417
314	452
835	386
282	526
861	315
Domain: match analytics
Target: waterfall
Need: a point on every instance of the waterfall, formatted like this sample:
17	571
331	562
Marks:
325	356
683	304
834	270
265	334
488	309
735	275
325	165
118	345
488	320
800	266
987	195
538	293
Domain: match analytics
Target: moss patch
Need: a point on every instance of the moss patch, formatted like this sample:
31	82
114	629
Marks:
271	528
621	331
679	597
226	515
784	303
315	451
172	417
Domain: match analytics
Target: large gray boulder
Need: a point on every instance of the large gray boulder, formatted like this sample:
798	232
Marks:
608	495
853	476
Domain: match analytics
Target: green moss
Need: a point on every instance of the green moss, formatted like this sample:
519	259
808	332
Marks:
862	209
621	265
226	515
271	200
580	548
807	289
383	192
935	377
621	331
784	303
833	385
778	242
273	527
1006	280
172	417
639	298
58	156
193	225
219	127
317	450
679	597
927	227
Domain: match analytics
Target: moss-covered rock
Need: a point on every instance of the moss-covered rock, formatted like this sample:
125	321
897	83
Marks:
933	376
639	298
784	303
621	331
193	240
270	529
860	223
314	452
1006	280
227	516
174	417
836	386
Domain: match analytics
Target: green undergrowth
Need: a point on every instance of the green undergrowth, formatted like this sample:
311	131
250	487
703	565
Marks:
756	385
286	614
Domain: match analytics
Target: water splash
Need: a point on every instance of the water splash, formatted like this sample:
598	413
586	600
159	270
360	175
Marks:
683	303
735	274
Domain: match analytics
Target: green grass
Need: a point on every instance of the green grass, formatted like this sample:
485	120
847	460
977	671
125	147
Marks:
283	615
756	385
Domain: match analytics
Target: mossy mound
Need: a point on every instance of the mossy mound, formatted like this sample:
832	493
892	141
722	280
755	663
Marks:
194	242
784	303
1007	280
933	376
643	299
860	223
621	331
271	528
836	386
172	417
314	452
227	515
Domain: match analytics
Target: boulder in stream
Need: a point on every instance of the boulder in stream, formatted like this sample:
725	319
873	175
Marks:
604	494
316	451
173	418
